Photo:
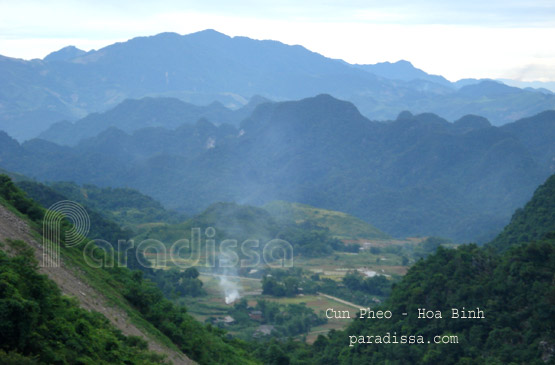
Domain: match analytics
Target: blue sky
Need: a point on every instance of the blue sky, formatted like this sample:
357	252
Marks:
457	39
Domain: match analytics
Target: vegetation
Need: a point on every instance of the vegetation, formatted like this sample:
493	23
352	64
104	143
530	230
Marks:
172	283
514	289
205	344
13	196
126	207
267	320
535	221
418	175
511	282
232	221
353	287
339	224
129	289
517	328
413	176
100	226
39	325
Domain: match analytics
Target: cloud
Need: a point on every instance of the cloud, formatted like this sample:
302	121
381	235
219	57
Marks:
543	72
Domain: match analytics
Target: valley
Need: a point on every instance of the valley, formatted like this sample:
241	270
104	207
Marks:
208	198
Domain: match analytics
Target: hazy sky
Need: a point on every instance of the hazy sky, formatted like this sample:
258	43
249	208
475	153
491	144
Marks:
457	39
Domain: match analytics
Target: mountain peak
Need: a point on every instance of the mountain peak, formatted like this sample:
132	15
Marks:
330	104
402	70
488	87
209	34
405	115
471	122
65	54
210	31
203	34
403	62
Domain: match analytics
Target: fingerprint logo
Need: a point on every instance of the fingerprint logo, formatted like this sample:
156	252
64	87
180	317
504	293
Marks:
51	229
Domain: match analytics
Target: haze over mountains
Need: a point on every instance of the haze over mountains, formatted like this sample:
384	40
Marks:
416	175
371	177
132	115
209	66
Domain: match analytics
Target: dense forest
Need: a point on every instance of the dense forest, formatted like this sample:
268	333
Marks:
414	175
535	221
249	201
204	344
514	288
39	325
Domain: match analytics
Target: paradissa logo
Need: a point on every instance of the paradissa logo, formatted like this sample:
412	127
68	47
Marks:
183	253
51	229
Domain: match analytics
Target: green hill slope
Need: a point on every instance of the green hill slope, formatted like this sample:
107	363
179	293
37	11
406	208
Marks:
40	325
533	222
417	175
127	207
244	223
514	289
340	225
116	289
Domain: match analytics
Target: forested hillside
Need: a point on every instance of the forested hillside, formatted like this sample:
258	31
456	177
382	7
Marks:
334	183
535	221
416	175
132	115
126	289
514	289
40	326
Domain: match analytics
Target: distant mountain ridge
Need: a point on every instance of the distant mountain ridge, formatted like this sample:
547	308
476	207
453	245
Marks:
403	70
65	54
416	175
208	66
132	115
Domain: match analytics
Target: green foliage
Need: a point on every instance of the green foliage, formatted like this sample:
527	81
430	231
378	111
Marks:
204	344
339	224
18	199
38	324
354	287
514	288
126	207
282	320
417	175
175	283
286	283
310	240
533	222
376	285
428	246
232	221
100	226
172	283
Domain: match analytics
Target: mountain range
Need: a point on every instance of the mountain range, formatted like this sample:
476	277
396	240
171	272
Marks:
208	66
132	115
415	175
